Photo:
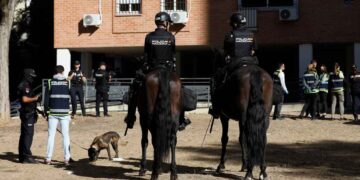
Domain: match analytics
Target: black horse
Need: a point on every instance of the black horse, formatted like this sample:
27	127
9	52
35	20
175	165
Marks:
248	99
159	107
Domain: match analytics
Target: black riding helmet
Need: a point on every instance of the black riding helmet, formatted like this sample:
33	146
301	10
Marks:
162	17
237	20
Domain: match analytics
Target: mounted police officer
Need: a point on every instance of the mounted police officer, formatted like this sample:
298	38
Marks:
57	108
28	115
159	51
77	78
355	91
239	48
102	79
279	90
310	83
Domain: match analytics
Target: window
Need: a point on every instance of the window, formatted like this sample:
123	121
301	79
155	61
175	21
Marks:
128	7
173	5
266	3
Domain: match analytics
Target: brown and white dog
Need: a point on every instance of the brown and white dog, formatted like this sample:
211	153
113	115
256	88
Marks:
103	142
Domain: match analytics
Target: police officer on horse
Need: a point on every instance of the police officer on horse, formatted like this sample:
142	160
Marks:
239	48
159	52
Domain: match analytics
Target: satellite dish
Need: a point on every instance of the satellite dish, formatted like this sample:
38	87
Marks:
175	17
88	19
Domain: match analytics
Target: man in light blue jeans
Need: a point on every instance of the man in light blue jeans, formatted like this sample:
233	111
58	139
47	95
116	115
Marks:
57	107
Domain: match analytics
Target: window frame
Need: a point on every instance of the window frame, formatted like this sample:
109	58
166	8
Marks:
162	6
118	11
267	7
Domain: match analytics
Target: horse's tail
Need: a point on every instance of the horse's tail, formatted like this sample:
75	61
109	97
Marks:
255	130
162	118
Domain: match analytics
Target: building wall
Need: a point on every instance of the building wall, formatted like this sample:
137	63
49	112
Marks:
130	31
321	21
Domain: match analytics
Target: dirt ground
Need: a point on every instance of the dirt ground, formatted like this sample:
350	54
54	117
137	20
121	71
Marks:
297	149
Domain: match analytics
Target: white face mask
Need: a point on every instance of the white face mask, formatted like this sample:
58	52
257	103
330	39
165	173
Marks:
102	67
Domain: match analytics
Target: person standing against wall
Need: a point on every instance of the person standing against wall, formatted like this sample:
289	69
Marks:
337	90
279	90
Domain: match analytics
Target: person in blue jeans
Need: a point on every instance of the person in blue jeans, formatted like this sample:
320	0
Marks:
57	108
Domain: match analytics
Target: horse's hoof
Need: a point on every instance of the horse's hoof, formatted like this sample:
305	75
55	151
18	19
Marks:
263	177
142	172
220	169
173	177
154	177
243	169
248	178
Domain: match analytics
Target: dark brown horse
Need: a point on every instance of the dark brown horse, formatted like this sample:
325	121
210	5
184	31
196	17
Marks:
247	99
159	108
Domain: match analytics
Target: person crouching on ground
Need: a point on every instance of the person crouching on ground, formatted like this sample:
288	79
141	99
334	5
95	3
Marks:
57	108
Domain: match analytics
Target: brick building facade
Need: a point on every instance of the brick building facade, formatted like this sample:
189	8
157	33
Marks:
326	30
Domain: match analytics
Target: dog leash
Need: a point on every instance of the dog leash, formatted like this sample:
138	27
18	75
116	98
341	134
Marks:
72	141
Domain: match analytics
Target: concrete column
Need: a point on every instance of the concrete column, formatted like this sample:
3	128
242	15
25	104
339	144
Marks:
305	56
63	57
357	54
86	64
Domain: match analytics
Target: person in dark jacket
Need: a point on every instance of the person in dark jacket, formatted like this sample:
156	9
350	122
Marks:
355	91
239	50
102	79
77	79
28	116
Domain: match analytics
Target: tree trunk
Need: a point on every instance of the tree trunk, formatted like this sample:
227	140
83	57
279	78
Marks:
7	16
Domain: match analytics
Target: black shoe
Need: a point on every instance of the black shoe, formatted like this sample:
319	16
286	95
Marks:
29	161
72	116
107	115
98	115
183	124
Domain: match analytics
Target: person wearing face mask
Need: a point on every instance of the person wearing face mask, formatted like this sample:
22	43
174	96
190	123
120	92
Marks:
102	79
28	116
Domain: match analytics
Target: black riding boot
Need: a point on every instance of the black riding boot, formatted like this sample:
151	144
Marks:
217	83
133	92
183	121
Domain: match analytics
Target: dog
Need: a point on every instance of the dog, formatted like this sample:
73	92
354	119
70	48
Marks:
103	142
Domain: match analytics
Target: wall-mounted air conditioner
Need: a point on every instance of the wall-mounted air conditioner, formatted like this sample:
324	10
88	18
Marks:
289	14
179	17
92	20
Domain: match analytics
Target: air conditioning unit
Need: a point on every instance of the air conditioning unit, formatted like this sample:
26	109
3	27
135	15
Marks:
289	14
179	17
92	20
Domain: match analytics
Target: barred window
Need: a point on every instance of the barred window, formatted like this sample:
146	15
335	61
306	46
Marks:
173	5
266	3
128	7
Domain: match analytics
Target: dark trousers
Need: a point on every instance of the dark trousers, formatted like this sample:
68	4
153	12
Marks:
26	136
310	102
79	92
323	102
104	96
355	103
278	100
